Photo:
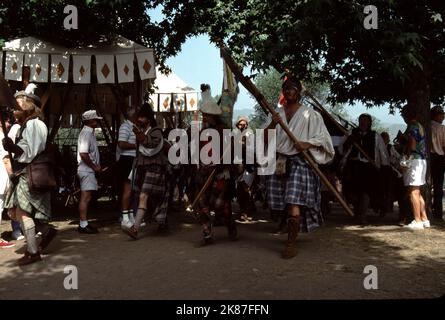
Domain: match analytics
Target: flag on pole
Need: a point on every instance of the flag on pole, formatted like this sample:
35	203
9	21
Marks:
229	94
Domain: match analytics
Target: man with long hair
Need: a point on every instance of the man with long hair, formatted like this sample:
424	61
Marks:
30	207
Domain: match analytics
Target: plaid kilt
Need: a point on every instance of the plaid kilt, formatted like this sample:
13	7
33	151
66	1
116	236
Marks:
299	186
151	178
38	204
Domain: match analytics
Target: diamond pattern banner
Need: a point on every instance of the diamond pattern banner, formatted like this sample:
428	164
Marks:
38	64
125	68
146	65
192	101
105	68
60	65
155	99
165	102
179	102
14	66
81	69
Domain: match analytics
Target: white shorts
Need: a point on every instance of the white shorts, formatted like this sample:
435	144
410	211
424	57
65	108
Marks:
88	181
415	174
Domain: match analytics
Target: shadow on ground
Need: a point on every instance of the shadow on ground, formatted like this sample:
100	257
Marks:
329	265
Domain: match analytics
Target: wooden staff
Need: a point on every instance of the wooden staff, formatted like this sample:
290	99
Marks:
248	84
339	126
210	178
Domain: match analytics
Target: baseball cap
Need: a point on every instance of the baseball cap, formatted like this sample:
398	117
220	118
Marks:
90	115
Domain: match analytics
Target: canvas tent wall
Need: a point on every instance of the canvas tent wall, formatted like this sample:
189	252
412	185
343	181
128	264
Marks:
174	101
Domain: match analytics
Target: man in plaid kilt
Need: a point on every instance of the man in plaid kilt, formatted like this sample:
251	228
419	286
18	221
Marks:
149	175
294	189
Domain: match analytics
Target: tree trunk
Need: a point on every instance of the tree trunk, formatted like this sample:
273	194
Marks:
419	95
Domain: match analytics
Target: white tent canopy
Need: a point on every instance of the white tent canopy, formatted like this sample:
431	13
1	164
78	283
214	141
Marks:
172	91
51	63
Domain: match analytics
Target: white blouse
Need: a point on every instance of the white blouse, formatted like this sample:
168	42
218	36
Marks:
33	140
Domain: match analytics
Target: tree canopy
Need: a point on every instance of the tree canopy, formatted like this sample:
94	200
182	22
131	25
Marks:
320	41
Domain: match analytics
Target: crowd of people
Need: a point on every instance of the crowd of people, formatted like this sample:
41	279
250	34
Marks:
374	172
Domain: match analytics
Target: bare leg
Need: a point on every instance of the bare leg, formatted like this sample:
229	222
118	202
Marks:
126	194
423	215
85	198
142	208
414	196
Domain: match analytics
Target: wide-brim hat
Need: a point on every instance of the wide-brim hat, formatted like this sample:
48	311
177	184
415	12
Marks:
28	93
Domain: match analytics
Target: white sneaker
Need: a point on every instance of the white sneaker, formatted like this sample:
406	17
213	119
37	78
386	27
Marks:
126	224
426	224
414	225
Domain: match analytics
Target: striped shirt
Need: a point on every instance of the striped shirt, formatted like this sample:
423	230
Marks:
126	134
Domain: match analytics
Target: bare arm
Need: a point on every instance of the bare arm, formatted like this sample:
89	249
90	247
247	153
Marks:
124	145
86	159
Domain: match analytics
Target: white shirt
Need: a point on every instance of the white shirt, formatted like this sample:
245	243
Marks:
438	138
126	134
307	125
33	140
87	144
4	178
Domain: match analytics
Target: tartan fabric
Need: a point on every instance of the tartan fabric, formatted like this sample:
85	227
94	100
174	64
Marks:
299	186
152	178
37	204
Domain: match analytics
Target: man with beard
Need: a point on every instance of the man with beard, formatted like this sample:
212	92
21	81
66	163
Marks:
294	189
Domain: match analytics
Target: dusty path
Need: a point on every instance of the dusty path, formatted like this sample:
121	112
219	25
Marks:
329	266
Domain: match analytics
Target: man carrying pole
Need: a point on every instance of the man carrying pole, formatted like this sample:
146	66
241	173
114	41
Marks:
294	187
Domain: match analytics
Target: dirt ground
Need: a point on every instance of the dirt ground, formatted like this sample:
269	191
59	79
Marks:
330	263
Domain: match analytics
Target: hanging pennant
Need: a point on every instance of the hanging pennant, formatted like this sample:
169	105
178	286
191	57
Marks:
165	102
38	64
14	66
60	68
146	65
155	99
192	101
125	67
179	102
81	69
105	68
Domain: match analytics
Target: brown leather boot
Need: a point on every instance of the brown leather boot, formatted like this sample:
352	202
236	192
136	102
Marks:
290	250
29	258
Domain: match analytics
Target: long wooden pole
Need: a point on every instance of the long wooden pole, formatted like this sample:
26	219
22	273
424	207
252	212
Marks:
339	126
248	84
